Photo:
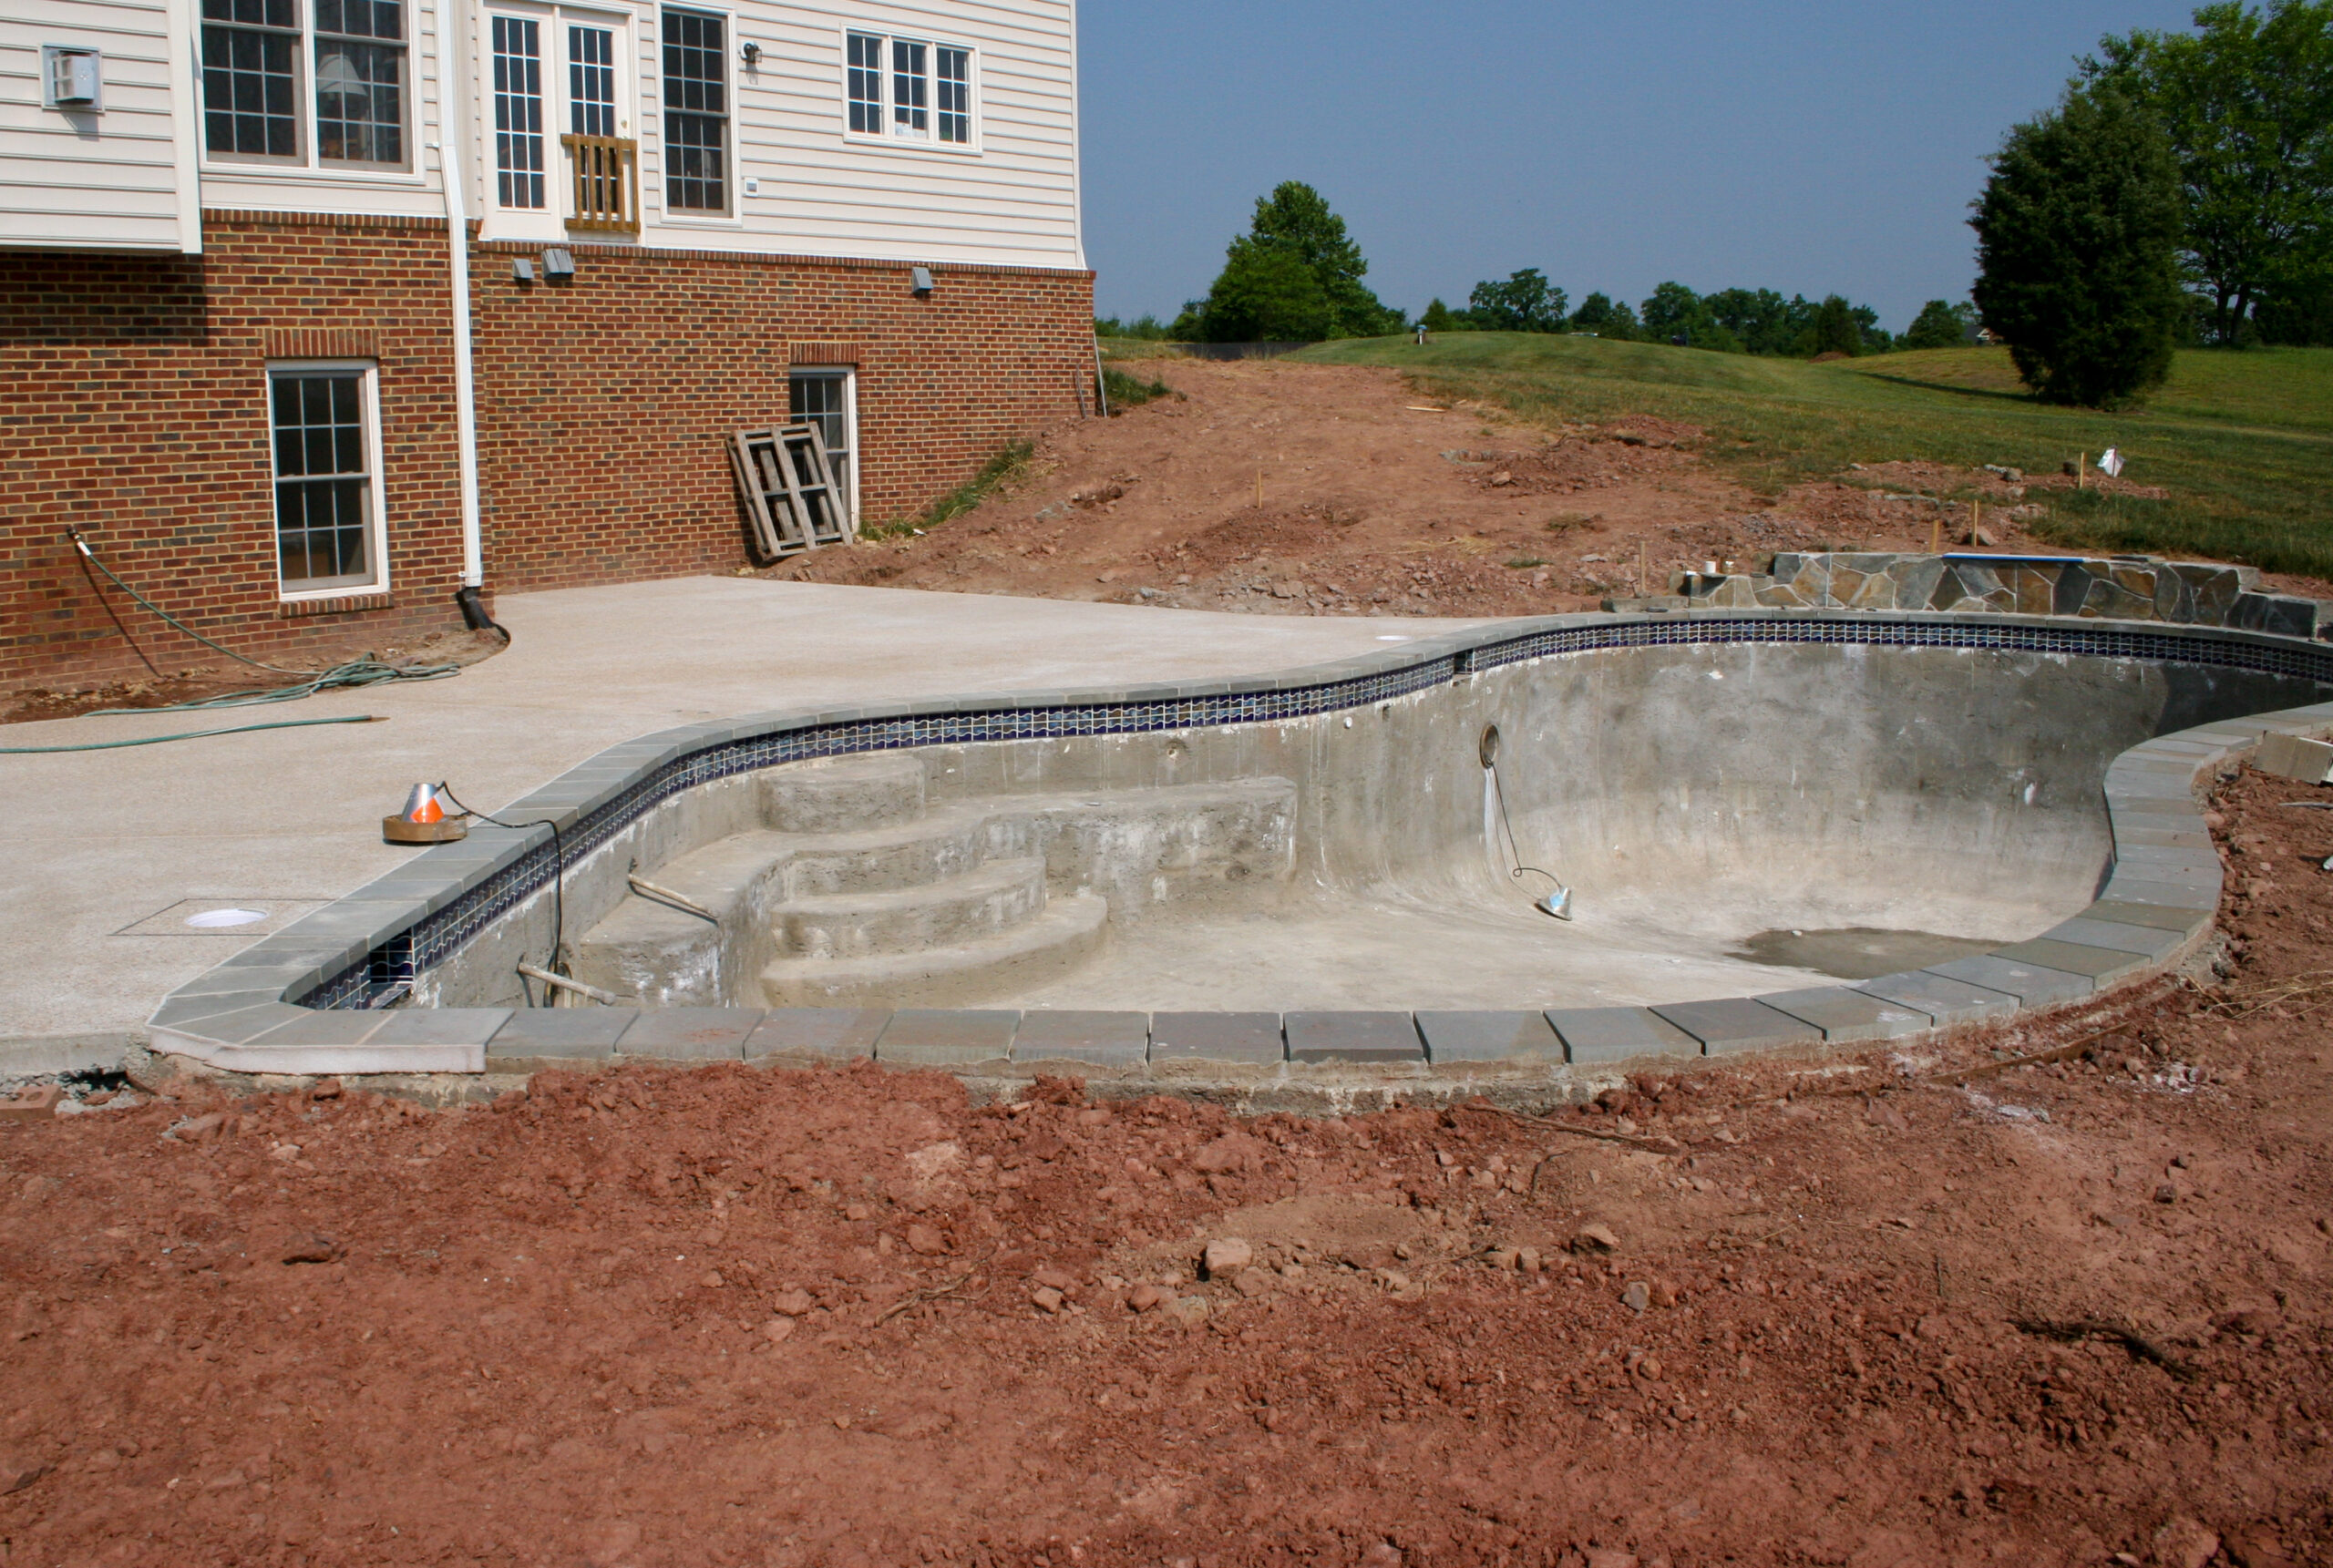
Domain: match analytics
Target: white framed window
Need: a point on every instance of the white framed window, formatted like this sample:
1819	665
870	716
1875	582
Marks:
307	84
828	398
696	114
324	429
908	89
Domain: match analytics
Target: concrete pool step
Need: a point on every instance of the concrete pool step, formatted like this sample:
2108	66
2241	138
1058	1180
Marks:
982	901
1056	940
842	794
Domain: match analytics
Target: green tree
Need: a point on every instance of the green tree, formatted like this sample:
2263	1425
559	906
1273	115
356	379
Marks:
1940	324
1675	315
1441	318
1523	303
1835	329
1600	317
2246	102
1266	293
2077	239
1296	217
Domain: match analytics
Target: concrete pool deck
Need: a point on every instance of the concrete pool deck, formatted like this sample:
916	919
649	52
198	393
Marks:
103	854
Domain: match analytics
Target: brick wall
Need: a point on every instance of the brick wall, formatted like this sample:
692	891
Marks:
132	403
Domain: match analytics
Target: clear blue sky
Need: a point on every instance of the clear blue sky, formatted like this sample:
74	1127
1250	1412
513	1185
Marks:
1809	146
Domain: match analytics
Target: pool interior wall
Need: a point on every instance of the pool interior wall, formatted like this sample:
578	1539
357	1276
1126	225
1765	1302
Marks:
1692	794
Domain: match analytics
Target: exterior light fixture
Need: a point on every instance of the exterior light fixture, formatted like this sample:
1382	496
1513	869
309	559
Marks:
751	53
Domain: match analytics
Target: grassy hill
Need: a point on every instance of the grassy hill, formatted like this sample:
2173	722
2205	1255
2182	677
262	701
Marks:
2242	442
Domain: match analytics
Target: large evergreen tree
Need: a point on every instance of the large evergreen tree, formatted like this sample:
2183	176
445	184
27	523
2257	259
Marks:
2246	102
2078	232
1293	233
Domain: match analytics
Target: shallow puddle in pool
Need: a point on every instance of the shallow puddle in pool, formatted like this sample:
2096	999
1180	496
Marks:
1857	952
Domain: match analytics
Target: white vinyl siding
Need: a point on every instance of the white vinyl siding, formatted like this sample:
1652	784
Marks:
120	179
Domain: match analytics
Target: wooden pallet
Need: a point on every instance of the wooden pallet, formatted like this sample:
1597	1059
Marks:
790	490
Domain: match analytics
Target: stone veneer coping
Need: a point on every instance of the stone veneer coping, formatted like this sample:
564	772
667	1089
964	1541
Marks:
319	996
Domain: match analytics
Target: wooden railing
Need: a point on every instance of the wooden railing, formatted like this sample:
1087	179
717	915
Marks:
607	182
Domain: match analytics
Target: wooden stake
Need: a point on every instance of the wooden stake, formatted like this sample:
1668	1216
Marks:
1976	520
1260	489
1639	569
1936	536
2081	472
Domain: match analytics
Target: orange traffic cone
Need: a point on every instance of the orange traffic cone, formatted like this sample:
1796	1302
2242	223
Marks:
423	820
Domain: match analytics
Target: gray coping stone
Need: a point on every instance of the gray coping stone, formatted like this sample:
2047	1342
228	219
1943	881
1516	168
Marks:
2031	984
188	1012
946	1037
1845	1014
1942	998
690	1034
439	1026
311	1026
2141	912
2159	866
2101	964
241	1027
841	1033
2128	836
1381	1037
1616	1034
568	1037
2126	888
1096	1038
1251	1039
2153	941
1519	1037
1737	1024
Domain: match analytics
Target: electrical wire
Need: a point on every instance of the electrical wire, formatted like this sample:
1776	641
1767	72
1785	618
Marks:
356	672
1514	850
558	964
189	734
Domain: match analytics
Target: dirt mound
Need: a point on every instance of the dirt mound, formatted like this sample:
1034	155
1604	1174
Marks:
2042	1296
1334	490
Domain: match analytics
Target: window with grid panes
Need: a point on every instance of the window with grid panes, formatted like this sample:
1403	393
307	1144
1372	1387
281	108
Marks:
953	70
908	89
518	111
360	81
590	81
251	85
863	83
325	447
696	112
822	398
911	90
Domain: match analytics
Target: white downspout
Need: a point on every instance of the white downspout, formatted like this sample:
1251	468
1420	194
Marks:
457	244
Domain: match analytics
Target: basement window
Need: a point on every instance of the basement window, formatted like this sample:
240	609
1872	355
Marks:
325	419
908	89
829	400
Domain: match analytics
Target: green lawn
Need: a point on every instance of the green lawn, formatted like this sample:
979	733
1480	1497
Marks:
2242	442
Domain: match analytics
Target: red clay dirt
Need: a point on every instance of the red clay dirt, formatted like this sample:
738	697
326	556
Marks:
1332	489
1874	1309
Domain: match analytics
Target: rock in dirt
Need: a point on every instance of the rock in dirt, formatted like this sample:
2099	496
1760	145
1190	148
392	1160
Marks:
1057	1279
792	1303
1636	1296
1047	1299
1146	1298
776	1330
17	1476
309	1247
1231	1153
1594	1239
2184	1542
198	1129
1251	1282
2256	1546
1880	1114
1227	1257
926	1242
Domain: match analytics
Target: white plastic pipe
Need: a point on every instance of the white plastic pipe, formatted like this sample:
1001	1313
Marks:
457	244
